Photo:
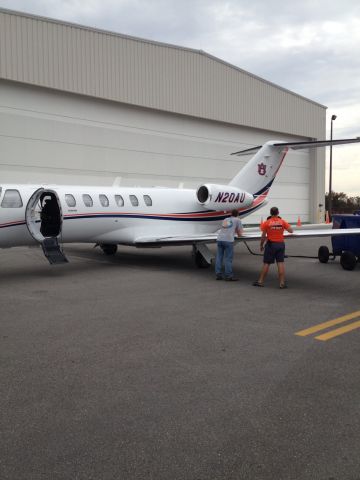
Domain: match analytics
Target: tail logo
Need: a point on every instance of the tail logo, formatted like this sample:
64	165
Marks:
261	168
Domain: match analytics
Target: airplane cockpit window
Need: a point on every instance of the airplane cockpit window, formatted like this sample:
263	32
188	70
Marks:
88	201
119	200
70	200
104	200
134	200
12	199
147	200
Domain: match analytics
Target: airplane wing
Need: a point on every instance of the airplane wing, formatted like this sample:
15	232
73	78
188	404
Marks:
174	240
248	235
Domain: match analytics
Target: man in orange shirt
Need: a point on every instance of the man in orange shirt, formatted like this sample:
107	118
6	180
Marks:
273	235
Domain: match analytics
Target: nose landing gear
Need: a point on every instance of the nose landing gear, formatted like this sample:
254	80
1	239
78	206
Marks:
202	255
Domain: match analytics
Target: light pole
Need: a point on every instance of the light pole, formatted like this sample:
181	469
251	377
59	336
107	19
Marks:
333	117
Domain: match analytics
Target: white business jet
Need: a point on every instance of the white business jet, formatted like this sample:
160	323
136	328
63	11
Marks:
51	215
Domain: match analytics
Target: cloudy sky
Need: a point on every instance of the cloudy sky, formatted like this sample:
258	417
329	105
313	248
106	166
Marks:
311	47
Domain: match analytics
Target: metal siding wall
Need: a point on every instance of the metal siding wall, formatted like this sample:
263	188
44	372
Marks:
53	137
109	66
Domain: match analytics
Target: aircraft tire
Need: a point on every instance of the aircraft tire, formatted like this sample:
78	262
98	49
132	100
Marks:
348	260
323	254
108	249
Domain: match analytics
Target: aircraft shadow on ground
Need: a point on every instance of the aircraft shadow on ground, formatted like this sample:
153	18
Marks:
92	260
246	267
163	259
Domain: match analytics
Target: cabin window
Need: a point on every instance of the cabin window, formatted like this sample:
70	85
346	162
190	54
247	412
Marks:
119	200
88	201
70	200
104	200
147	200
12	199
134	200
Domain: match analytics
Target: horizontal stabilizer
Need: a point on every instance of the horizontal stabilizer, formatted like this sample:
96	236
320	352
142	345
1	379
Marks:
299	145
317	143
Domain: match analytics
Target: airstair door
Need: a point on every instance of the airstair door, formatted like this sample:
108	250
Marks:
44	221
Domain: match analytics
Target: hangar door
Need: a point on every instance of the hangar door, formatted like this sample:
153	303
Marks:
53	137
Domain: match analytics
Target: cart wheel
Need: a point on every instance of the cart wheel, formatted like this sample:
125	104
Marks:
348	260
323	254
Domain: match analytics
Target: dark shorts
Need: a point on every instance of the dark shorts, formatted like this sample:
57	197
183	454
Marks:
274	251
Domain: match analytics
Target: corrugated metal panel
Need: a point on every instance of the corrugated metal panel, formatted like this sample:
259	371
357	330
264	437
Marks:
85	61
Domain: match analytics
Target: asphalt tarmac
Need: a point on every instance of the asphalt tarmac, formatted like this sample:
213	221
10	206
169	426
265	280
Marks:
140	366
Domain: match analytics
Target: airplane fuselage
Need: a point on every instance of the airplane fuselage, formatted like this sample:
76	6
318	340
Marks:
108	214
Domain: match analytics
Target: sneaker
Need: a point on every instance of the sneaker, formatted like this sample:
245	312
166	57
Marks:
231	279
219	277
258	284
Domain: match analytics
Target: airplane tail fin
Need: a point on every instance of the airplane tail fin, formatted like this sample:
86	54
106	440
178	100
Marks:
257	176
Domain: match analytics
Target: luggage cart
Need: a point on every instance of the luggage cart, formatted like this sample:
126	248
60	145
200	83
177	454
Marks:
347	247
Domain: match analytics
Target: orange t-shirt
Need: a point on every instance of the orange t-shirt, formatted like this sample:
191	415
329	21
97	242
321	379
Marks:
274	228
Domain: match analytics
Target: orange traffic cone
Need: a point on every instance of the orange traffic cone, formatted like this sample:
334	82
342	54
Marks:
298	224
327	217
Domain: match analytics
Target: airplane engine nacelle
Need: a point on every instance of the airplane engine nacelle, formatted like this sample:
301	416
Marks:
223	197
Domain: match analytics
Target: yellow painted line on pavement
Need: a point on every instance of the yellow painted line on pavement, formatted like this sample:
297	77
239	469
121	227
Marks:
338	331
330	323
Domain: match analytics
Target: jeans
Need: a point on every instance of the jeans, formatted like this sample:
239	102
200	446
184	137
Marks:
224	249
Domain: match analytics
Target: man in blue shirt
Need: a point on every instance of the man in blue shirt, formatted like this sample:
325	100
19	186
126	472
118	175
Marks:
225	245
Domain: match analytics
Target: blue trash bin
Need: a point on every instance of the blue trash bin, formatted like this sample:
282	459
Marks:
348	243
347	247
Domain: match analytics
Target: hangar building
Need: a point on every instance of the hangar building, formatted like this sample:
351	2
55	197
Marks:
85	106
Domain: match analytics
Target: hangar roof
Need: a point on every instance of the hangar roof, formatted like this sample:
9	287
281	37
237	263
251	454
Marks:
111	66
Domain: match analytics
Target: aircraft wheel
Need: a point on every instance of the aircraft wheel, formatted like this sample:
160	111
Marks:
108	249
323	254
200	261
348	260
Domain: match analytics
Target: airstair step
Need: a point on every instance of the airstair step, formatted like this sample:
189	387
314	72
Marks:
53	251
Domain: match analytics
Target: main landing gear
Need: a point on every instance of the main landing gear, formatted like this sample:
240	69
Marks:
108	249
202	255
